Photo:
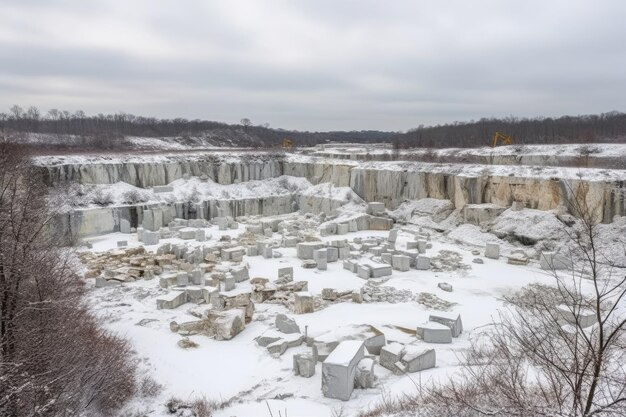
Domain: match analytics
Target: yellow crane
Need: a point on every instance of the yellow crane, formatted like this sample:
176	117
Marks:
501	137
287	143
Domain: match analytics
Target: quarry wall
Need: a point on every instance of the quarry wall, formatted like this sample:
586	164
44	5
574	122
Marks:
390	183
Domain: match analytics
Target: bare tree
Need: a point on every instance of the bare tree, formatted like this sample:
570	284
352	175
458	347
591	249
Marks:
246	123
54	357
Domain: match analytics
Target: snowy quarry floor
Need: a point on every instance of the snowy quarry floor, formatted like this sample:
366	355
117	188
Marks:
245	373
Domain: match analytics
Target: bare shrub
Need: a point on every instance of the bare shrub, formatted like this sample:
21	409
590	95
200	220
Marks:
55	359
102	198
133	197
149	387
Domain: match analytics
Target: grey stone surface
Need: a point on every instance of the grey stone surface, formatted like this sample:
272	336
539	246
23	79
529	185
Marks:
240	274
304	364
228	284
432	332
303	303
268	252
350	265
393	235
171	300
365	376
343	228
375	208
332	254
124	226
492	250
454	323
286	273
401	262
321	257
445	286
422	245
390	355
150	238
306	250
416	359
286	325
363	271
122	243
340	368
200	235
551	261
187	233
422	263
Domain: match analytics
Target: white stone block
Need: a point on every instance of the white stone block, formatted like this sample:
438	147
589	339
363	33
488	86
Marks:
339	370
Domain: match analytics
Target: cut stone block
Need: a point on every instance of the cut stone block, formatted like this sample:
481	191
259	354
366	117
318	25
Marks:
268	252
332	254
492	250
432	332
454	323
124	226
401	262
422	263
285	274
340	368
321	257
350	265
226	324
375	208
390	355
150	238
229	253
416	359
291	242
411	245
306	249
197	277
122	243
171	300
304	364
422	244
344	252
252	251
365	377
363	271
343	228
228	284
182	279
187	233
480	213
277	348
386	257
303	303
200	235
393	236
240	274
552	261
148	220
584	317
286	325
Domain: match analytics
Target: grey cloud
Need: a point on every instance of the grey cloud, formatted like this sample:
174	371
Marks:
315	65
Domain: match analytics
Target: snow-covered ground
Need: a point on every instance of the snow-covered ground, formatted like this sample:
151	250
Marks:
243	372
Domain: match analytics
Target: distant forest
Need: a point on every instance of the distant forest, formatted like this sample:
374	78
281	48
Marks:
108	130
605	127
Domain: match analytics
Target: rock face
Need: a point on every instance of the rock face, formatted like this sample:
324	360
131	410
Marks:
390	184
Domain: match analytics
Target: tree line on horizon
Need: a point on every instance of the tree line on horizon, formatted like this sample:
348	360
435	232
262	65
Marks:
109	130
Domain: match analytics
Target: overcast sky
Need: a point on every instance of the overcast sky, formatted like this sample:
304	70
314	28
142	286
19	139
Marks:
318	64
